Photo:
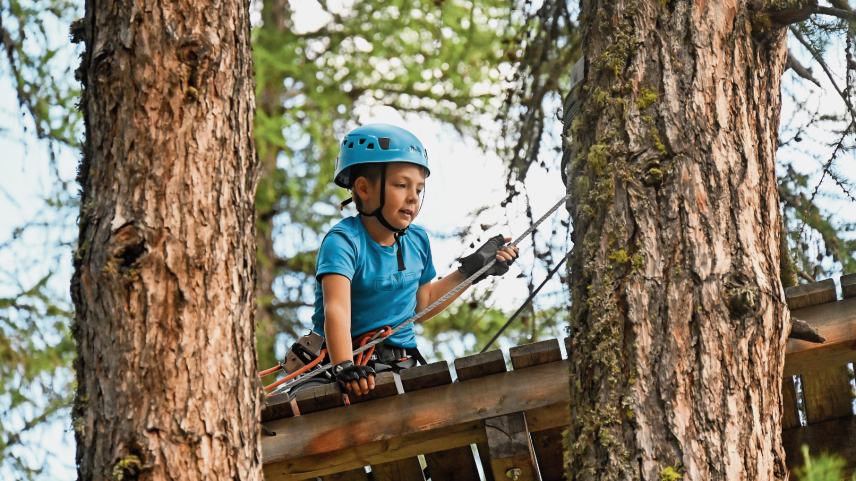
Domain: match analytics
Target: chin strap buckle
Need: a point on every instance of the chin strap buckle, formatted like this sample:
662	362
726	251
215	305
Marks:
345	202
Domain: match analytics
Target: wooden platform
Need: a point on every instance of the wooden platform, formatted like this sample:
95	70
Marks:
423	425
826	422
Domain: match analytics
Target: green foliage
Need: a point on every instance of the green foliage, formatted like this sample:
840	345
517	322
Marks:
36	349
819	233
822	468
36	352
40	65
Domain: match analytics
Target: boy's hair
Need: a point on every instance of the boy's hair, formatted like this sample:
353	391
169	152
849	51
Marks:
372	172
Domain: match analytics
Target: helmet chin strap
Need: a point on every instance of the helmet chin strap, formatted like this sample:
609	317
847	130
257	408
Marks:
378	214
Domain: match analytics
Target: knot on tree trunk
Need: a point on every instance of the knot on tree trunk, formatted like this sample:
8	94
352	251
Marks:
742	300
128	246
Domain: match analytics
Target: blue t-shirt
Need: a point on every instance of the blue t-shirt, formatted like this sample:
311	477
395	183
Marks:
380	294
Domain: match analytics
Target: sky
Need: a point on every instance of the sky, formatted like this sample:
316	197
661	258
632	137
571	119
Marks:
463	178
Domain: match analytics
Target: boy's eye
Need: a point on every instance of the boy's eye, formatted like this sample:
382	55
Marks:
418	191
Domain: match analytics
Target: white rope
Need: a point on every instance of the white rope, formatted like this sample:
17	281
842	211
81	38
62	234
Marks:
419	315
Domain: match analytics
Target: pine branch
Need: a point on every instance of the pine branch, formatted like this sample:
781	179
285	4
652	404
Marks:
814	53
806	276
835	12
803	331
798	69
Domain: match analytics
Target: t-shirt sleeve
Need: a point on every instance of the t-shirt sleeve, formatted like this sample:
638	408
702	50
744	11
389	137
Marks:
337	255
428	273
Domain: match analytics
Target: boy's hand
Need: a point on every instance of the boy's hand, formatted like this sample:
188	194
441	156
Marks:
355	379
492	248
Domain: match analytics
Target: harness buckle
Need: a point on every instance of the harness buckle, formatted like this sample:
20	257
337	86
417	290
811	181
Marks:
302	352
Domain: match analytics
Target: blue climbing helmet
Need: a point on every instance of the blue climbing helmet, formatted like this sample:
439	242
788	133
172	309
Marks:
377	143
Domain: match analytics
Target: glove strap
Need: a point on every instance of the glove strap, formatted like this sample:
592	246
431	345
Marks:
338	368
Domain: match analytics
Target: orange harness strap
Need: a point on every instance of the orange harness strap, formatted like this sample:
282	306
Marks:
361	360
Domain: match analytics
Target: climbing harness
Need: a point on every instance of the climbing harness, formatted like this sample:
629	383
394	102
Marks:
376	337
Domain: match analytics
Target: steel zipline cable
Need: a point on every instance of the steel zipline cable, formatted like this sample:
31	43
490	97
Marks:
419	315
525	303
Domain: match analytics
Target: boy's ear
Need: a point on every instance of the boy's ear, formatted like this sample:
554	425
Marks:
361	188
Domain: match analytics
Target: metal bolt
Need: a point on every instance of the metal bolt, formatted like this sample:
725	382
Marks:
514	474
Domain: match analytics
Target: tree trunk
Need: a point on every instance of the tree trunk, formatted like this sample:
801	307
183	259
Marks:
164	272
679	322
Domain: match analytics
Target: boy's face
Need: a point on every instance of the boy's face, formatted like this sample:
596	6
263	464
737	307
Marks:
404	184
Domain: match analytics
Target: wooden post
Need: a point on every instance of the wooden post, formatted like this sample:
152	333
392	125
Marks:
511	454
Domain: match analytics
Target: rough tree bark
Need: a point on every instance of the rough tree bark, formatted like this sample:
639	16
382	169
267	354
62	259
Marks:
679	321
164	271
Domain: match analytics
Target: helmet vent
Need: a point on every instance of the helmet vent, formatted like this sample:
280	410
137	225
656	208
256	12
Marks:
370	147
362	141
351	145
383	142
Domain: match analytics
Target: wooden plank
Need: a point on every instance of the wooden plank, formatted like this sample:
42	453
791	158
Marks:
319	398
848	286
385	386
277	406
407	469
358	474
549	449
536	353
808	295
511	453
834	320
790	411
456	464
425	421
834	437
828	394
479	365
427	376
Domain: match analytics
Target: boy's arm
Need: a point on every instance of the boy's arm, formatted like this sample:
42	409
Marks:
430	292
337	325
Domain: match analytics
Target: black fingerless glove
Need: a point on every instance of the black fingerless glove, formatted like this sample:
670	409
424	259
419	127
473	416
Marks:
478	259
347	371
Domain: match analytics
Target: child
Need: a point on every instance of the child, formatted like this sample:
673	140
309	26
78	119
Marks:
375	269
